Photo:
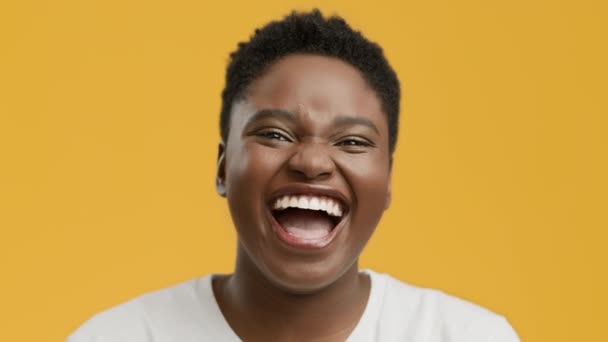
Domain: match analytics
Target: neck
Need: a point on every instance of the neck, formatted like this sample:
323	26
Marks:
257	309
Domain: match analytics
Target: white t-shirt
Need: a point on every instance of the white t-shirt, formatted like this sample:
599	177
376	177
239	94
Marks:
395	311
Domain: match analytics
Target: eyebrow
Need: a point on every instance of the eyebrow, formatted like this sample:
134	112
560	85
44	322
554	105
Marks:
340	121
271	113
343	121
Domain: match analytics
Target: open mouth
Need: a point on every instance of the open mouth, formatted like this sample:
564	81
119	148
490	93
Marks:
307	220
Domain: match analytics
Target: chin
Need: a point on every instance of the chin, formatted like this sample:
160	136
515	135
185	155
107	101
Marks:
304	278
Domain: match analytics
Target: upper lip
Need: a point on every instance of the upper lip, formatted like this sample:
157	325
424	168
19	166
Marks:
311	190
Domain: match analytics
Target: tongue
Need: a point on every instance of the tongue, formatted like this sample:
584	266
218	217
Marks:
305	224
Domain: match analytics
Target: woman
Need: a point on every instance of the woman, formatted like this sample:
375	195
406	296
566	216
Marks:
309	126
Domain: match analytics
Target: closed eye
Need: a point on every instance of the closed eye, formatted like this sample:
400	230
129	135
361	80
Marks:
273	135
352	142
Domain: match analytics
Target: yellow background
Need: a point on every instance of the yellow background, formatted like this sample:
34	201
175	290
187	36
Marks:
109	131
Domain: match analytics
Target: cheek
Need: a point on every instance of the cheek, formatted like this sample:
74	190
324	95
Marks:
369	181
249	169
249	166
367	173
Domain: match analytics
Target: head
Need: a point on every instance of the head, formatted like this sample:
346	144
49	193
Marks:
309	126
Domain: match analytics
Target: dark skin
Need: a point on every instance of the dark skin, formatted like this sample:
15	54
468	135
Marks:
308	121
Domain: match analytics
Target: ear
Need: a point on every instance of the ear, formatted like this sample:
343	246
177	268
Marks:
220	176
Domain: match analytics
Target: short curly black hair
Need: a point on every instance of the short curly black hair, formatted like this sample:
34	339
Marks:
311	33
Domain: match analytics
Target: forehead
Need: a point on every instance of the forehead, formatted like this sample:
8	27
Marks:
320	84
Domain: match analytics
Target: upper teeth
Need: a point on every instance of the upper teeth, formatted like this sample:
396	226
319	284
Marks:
327	204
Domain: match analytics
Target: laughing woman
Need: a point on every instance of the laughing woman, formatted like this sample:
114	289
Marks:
309	126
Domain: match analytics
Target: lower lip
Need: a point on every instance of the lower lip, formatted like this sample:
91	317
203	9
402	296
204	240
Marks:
310	244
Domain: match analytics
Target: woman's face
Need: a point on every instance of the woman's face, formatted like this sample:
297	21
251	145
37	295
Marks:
306	170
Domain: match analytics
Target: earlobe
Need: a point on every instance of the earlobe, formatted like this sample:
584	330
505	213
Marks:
220	177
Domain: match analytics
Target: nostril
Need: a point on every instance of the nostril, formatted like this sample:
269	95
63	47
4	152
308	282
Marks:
312	161
310	174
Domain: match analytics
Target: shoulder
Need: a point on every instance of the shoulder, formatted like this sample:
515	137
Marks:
144	317
434	313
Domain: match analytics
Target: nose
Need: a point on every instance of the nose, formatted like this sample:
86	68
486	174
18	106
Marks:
311	161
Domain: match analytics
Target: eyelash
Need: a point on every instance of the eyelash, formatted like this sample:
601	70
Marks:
349	142
354	143
273	135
